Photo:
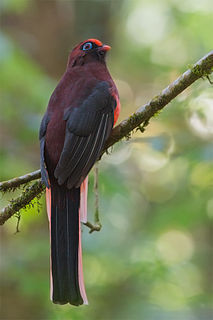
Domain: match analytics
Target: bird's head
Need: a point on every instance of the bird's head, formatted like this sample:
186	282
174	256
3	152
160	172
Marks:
88	51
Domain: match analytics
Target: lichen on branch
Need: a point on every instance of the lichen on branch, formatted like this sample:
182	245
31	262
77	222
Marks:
202	68
22	201
15	183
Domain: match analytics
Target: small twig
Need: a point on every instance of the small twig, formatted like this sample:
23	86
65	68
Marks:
92	227
210	81
97	224
96	216
17	182
18	216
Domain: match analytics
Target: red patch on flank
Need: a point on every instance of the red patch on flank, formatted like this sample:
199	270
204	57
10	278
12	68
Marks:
117	110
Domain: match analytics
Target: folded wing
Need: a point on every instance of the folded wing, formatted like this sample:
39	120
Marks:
87	128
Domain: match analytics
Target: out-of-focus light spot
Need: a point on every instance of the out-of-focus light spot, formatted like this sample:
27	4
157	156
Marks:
5	47
209	208
171	147
154	155
194	5
148	23
16	6
202	175
201	117
188	277
124	89
116	215
119	156
142	97
175	246
167	295
95	272
167	54
160	186
158	193
150	160
146	252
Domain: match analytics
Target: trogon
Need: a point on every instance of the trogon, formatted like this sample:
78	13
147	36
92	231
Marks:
80	116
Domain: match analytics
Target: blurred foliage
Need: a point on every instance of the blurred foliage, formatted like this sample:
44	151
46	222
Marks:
153	258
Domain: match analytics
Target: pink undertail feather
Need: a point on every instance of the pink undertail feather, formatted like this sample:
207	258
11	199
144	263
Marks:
48	204
80	264
83	200
82	218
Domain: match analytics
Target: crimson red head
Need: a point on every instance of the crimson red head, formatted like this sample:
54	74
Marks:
87	51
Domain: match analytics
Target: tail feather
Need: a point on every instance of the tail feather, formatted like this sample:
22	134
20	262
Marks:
80	270
65	233
83	200
48	203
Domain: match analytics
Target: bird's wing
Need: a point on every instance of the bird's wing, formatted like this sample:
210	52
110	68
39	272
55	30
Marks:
87	128
42	133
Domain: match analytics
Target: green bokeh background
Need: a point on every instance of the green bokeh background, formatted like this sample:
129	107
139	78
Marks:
153	258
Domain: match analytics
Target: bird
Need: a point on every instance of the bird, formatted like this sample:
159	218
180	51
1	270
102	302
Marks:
80	115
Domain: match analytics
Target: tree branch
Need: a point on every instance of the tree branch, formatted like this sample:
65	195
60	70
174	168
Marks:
12	184
142	116
139	119
22	201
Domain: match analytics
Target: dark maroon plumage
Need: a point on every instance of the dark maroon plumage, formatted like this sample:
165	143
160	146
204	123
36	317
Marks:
80	115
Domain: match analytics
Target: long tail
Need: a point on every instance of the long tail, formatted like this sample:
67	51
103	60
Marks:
67	285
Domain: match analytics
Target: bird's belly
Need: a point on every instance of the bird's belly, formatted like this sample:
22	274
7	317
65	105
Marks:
54	141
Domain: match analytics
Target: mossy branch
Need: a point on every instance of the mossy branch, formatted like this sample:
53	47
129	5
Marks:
140	119
14	183
22	201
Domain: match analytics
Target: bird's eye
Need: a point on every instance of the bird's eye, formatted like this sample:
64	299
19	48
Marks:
87	46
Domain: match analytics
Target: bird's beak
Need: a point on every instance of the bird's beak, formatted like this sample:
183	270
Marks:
105	48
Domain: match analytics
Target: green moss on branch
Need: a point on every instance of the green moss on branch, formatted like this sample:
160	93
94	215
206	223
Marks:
22	201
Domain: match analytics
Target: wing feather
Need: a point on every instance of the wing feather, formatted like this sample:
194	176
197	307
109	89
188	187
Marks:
90	155
64	170
88	126
42	133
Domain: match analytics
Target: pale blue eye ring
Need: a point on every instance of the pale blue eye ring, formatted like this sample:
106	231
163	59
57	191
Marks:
87	46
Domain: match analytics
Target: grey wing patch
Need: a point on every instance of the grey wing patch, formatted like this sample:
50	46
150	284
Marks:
68	159
90	154
82	120
75	166
88	126
42	132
